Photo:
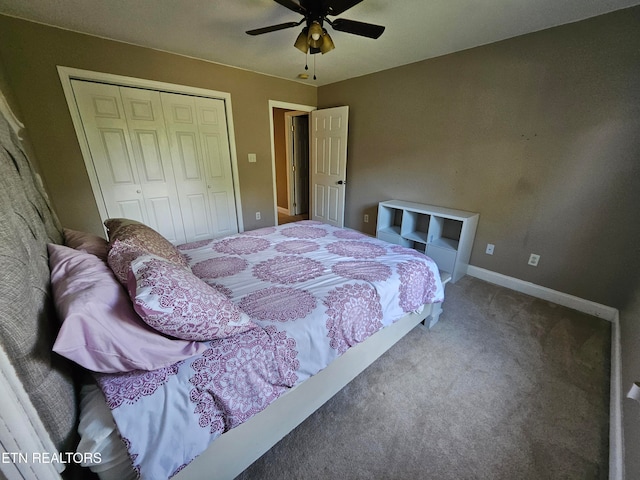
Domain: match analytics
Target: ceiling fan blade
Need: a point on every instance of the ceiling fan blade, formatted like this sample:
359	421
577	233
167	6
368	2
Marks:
273	28
291	5
336	7
357	28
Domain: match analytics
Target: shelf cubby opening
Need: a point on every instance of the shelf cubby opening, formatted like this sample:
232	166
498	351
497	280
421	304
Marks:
415	226
390	220
420	247
444	232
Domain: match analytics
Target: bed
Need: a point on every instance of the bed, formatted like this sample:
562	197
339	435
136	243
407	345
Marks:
298	296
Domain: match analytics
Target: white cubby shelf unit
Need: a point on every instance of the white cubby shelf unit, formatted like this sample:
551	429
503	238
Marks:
444	234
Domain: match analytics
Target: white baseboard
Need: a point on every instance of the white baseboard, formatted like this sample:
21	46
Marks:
544	293
616	444
616	441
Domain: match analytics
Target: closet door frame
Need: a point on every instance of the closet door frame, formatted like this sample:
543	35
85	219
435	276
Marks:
67	74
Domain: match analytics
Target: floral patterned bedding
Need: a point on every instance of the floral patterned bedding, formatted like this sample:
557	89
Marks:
314	290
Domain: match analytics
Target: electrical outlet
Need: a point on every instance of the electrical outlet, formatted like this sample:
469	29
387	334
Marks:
366	218
490	247
258	216
534	259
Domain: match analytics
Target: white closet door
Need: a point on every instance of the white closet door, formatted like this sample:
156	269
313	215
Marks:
212	124
199	145
125	132
107	134
145	118
160	158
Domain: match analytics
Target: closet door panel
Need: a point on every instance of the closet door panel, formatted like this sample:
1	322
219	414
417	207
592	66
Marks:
225	222
200	144
212	125
161	214
199	210
189	159
186	154
107	134
133	209
145	119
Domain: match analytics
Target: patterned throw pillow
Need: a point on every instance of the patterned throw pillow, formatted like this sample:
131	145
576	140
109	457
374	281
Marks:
130	239
87	242
172	300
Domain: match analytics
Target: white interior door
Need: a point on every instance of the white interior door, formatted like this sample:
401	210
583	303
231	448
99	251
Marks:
329	128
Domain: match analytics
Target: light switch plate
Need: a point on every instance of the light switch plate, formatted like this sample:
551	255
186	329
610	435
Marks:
252	158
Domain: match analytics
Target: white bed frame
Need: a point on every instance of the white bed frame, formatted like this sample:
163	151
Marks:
235	450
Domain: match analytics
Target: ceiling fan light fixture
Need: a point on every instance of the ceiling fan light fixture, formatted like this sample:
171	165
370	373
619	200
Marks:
302	42
327	44
315	35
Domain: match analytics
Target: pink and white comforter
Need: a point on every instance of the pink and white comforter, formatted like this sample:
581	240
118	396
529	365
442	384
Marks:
314	290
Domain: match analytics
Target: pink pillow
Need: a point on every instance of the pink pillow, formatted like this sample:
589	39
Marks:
175	302
100	330
130	239
87	242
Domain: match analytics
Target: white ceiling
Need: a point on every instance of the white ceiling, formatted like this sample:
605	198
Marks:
214	29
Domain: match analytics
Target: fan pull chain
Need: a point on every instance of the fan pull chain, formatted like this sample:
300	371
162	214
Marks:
314	67
306	61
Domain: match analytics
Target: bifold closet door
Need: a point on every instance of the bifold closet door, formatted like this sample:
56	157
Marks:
126	134
160	158
199	141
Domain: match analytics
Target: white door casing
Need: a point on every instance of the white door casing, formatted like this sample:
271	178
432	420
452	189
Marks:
297	159
328	172
273	104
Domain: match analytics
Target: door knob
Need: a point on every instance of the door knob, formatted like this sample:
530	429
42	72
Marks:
341	182
138	191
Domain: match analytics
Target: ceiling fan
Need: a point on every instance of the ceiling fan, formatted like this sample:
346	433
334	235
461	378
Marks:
314	37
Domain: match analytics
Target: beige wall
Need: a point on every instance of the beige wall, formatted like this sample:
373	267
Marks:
30	54
15	108
540	134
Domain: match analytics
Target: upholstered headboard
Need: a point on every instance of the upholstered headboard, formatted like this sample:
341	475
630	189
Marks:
28	322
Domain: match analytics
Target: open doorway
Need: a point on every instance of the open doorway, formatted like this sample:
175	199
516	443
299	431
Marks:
290	147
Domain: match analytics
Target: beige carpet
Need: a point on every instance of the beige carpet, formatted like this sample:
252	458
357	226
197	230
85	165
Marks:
505	386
